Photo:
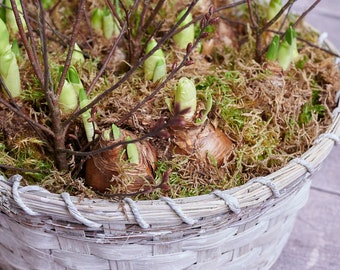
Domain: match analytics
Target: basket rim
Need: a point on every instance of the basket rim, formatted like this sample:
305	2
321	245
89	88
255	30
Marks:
258	193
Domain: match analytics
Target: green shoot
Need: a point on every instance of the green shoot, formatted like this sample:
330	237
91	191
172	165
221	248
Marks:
132	152
187	35
97	20
287	49
77	55
273	48
185	97
9	70
73	77
88	122
274	8
104	23
154	66
116	132
68	100
108	24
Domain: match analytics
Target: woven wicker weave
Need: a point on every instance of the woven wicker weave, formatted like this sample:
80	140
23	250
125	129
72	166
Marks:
242	228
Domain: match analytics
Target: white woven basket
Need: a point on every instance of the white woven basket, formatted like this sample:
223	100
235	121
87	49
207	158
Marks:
241	228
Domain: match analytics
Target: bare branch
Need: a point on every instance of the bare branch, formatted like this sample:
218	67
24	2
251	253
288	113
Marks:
251	14
109	56
306	12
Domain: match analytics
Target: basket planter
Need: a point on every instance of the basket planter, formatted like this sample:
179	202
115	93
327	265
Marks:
242	228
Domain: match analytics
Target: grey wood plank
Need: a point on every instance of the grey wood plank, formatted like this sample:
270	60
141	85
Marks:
315	241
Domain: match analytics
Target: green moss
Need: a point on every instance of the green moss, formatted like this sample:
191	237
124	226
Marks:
312	107
26	155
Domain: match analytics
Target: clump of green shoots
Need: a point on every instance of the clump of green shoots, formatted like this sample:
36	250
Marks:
285	51
104	23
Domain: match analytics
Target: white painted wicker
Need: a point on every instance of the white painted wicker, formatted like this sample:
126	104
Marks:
241	228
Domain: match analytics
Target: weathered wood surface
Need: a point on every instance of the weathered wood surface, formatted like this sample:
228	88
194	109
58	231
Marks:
315	240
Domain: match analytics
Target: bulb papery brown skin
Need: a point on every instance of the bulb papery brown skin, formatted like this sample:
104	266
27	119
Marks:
203	140
111	168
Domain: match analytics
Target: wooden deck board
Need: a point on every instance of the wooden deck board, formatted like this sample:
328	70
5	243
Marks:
315	241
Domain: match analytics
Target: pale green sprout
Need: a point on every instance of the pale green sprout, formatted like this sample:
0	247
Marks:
10	18
168	102
73	77
273	48
132	152
185	97
295	52
89	125
68	99
154	66
9	70
287	49
97	20
108	24
4	40
284	55
106	135
115	132
187	35
274	8
77	55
